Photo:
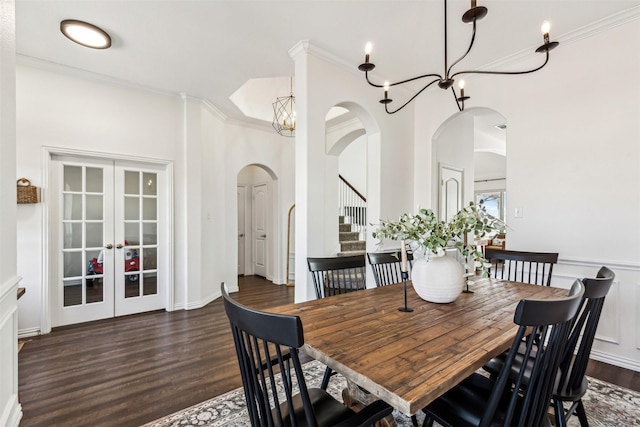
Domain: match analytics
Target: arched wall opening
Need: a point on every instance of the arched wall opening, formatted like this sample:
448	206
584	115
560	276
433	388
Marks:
257	222
353	151
469	148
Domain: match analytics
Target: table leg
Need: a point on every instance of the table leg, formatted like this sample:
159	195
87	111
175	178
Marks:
356	398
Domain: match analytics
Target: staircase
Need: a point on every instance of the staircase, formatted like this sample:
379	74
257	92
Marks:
349	239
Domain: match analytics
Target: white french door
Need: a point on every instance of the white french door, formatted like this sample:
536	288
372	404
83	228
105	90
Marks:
107	239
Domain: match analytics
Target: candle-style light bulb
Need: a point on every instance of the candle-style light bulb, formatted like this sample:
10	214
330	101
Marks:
473	4
367	51
386	90
461	86
546	26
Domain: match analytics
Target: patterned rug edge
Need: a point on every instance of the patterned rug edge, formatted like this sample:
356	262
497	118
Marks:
228	409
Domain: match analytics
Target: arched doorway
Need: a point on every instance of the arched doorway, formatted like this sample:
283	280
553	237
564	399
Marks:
258	229
346	146
469	152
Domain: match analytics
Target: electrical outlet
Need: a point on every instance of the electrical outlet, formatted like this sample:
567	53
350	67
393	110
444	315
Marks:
517	213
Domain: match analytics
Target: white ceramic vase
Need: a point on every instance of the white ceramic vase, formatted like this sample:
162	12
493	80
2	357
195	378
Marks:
441	279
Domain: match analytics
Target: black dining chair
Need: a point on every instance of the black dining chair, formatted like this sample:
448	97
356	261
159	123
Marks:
518	266
480	401
572	384
267	348
386	266
337	275
334	276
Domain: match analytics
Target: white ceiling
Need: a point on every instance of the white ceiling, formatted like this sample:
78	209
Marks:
210	48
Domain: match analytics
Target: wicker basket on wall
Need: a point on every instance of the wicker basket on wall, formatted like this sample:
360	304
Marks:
27	193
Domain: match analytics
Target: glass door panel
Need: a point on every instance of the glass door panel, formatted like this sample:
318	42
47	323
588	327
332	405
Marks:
138	280
81	294
82	227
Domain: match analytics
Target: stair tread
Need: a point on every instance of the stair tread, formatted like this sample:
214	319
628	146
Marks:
352	253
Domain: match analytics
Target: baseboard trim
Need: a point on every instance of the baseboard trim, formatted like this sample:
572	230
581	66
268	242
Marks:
12	413
28	332
194	305
618	361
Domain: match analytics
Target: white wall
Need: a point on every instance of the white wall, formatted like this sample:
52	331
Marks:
573	166
10	410
489	166
352	164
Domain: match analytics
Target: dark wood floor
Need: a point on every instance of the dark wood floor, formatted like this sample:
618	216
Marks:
135	369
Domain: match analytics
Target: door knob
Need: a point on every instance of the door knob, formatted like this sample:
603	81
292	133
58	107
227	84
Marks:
109	246
119	246
241	235
264	236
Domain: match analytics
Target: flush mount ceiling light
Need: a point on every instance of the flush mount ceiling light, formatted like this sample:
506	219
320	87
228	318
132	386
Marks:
85	34
447	79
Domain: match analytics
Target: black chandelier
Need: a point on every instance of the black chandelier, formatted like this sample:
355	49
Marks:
446	80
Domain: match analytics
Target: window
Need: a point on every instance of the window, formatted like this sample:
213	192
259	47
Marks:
494	202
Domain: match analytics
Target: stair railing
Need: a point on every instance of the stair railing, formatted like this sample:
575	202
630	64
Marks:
353	206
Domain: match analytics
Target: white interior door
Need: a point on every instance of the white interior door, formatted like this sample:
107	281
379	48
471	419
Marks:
260	200
106	242
241	232
451	182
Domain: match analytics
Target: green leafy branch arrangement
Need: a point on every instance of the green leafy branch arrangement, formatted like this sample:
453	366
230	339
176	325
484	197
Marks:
425	232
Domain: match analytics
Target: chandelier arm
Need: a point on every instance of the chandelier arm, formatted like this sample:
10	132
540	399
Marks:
505	72
366	75
403	81
473	38
456	98
386	108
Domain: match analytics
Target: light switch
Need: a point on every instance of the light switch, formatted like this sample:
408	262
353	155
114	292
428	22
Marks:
517	213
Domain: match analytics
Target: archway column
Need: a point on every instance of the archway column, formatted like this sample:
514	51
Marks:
309	174
322	82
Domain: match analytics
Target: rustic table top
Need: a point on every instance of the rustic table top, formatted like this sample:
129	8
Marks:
409	359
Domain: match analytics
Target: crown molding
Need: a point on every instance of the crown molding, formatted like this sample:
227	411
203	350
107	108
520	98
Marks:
581	33
86	75
208	105
589	30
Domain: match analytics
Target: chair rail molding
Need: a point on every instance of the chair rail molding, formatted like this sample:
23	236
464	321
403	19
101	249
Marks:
618	265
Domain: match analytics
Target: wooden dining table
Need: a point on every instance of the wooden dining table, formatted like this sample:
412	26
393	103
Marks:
408	359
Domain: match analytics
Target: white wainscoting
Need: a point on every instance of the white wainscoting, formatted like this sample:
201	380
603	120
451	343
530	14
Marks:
637	316
10	409
617	340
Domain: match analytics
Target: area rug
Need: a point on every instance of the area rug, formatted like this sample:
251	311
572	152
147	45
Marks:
607	405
